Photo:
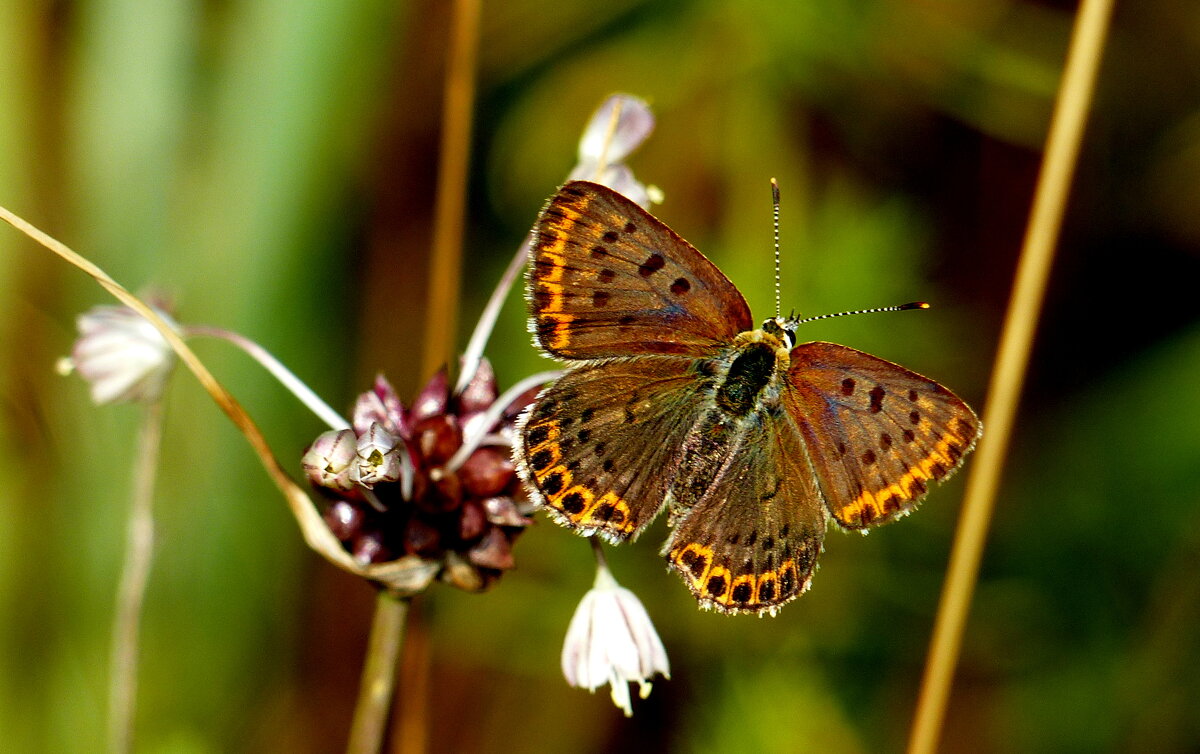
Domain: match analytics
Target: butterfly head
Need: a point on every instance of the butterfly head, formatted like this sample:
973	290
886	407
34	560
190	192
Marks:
783	328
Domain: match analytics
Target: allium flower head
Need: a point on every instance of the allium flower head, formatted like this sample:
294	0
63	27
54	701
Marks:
611	640
122	355
431	486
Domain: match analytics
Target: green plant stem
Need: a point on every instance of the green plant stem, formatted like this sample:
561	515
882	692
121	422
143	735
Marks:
139	551
379	674
1012	359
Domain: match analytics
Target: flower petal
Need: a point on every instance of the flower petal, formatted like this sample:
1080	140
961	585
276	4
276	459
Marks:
611	640
634	124
121	355
328	461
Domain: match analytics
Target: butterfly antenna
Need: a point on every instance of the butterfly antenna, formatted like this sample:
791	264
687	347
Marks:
900	308
775	216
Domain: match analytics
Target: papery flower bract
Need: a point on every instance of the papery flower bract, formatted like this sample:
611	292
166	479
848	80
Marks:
605	145
122	355
612	640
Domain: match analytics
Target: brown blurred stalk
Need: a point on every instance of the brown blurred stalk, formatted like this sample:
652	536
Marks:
441	317
441	312
1012	358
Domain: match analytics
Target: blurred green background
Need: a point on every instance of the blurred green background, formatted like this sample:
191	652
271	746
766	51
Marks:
270	165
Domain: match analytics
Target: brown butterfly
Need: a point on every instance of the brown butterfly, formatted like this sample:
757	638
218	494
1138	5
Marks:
672	399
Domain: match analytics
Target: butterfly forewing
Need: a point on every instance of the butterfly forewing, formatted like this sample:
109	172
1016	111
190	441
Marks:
877	433
751	542
609	279
601	444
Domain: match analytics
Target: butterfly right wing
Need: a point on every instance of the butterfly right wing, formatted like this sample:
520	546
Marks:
600	446
877	433
607	278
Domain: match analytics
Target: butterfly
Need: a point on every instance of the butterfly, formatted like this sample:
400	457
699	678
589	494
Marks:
673	399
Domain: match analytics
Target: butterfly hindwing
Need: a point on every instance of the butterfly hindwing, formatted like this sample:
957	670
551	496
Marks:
876	432
601	444
608	279
750	543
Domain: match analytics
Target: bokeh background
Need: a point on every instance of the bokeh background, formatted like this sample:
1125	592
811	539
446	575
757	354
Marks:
270	165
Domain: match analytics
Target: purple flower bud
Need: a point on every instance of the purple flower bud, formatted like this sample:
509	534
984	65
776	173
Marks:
437	437
502	511
488	472
344	519
472	519
380	405
493	551
432	399
421	538
445	493
480	392
371	547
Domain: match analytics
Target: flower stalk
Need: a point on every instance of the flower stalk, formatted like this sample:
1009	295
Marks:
139	552
280	372
379	674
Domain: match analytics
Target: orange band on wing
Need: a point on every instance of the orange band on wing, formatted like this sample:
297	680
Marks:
551	265
560	227
890	499
558	336
554	301
754	591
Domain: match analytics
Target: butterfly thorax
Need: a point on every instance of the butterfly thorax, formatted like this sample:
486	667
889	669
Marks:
757	360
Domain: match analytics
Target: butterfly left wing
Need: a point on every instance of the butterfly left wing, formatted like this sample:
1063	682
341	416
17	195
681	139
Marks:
876	432
607	278
750	543
600	446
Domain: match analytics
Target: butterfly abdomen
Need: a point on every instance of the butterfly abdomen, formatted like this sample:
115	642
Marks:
704	453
